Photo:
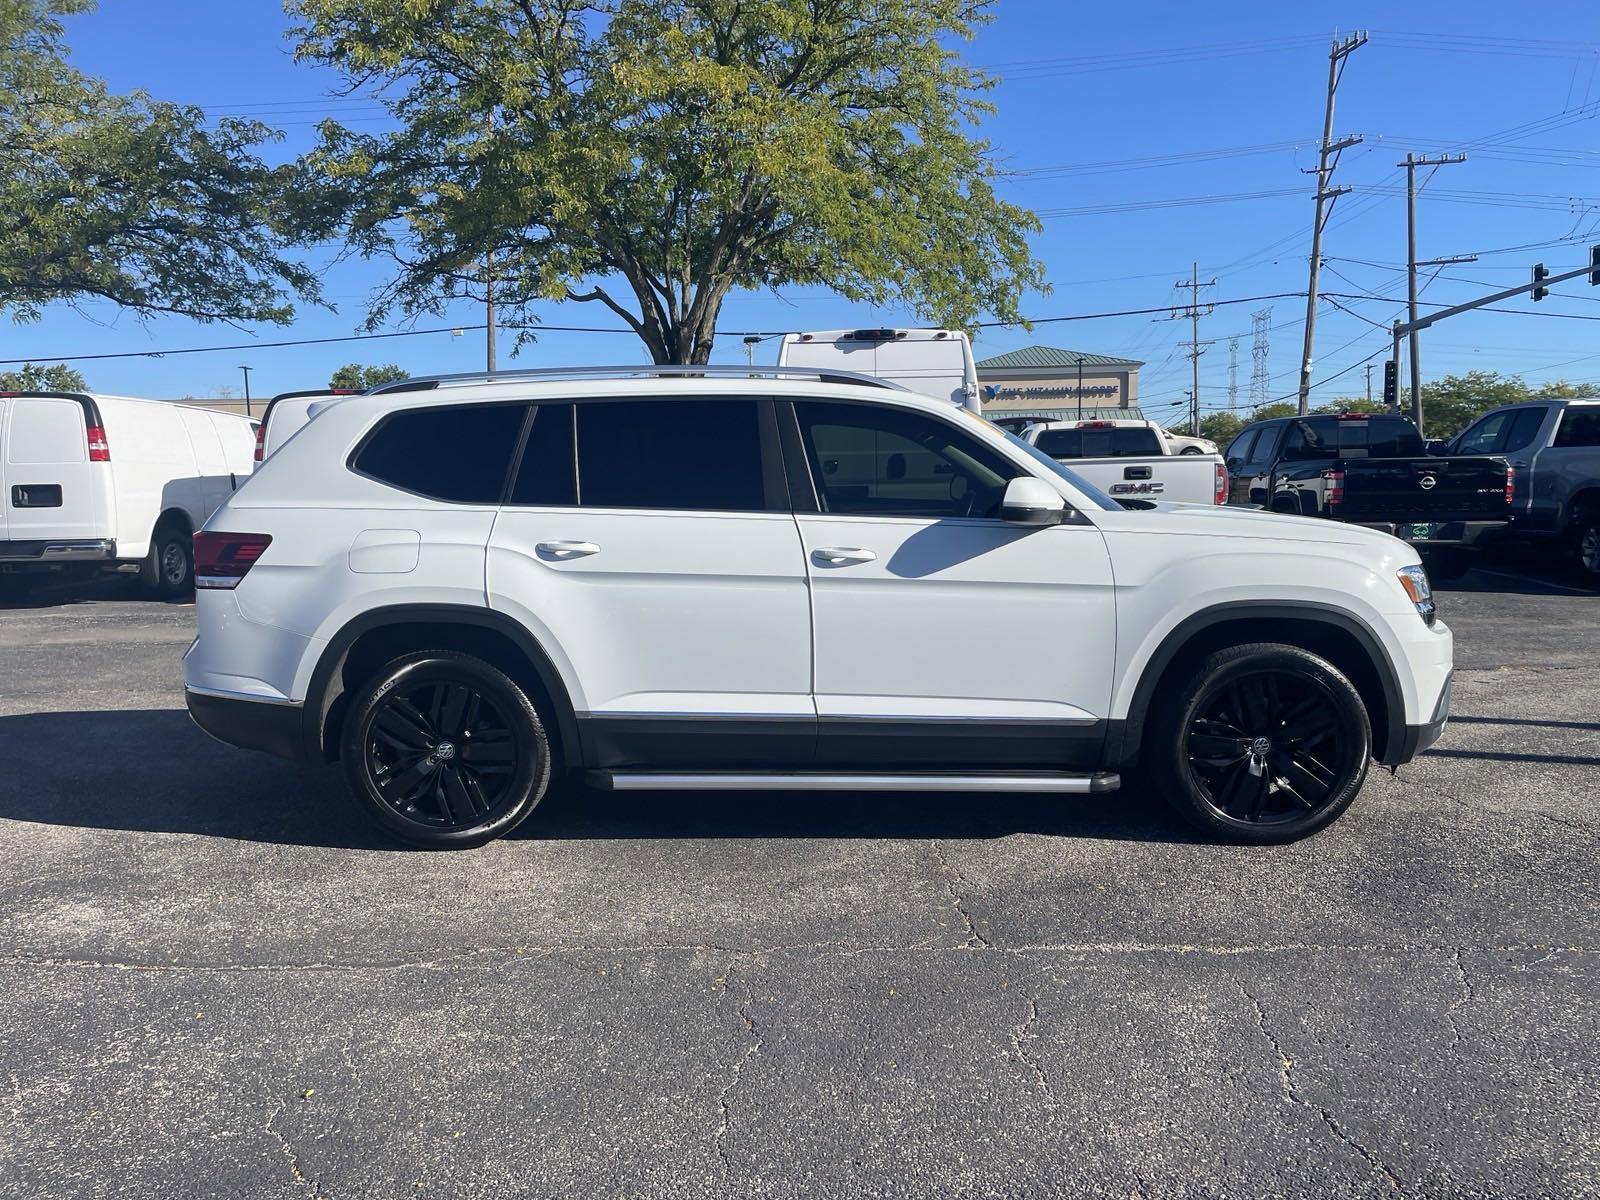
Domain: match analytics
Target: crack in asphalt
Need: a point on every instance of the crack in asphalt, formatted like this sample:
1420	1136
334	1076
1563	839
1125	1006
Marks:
1468	994
1286	1078
955	883
1022	1033
735	1071
498	958
300	1177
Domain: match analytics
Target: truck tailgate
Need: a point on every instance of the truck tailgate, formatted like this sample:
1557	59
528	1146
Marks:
1413	490
1180	478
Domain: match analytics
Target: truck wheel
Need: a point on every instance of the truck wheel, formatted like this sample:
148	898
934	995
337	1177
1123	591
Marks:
445	751
1586	547
169	570
1261	743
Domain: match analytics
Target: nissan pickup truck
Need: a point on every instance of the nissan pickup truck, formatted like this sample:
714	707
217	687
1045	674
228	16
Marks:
1554	447
1370	469
1131	460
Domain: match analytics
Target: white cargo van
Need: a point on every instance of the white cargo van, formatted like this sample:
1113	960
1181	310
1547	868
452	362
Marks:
287	413
932	362
97	482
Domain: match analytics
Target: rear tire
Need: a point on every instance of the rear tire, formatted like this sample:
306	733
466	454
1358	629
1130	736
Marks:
444	750
1586	547
169	570
1261	744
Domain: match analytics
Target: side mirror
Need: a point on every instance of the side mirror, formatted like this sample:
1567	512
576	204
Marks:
1030	501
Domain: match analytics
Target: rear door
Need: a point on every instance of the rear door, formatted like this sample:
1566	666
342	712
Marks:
665	567
52	490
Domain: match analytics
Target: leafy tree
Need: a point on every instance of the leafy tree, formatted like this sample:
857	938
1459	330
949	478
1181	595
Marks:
128	199
1220	427
354	375
652	155
32	377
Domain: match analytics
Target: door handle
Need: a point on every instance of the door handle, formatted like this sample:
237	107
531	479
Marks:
839	556
1136	472
563	551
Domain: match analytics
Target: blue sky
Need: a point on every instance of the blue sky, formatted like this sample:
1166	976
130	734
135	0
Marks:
1160	115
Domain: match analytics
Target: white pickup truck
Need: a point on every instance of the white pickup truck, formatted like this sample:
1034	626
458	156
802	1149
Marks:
1131	460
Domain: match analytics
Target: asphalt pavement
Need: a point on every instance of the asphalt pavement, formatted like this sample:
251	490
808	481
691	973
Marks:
219	980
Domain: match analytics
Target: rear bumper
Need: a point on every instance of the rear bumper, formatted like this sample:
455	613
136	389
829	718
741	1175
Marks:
275	728
59	550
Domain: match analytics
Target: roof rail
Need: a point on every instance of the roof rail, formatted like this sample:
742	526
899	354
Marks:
708	371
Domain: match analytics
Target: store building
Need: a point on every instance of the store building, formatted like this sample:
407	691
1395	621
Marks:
1046	382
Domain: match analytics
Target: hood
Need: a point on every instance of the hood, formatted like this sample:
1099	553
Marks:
1221	520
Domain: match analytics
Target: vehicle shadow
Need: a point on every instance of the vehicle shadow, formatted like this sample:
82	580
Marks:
154	771
1516	571
59	593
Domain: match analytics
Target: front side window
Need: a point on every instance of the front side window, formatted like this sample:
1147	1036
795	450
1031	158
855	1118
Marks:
883	462
1267	448
1239	449
670	454
1484	437
456	453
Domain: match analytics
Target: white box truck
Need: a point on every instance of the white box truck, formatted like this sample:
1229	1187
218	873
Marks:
91	483
933	362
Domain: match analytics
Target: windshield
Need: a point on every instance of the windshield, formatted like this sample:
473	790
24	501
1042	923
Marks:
1088	490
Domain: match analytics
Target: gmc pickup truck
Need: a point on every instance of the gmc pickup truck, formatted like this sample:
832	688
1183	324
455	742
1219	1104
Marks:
1132	460
1554	447
1370	469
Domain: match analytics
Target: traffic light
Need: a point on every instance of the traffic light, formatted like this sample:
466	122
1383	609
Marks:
1594	266
1540	274
1391	385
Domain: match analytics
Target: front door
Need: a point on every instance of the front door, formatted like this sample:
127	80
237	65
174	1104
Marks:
945	636
649	544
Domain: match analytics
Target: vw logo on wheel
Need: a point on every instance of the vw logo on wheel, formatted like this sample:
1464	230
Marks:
1427	482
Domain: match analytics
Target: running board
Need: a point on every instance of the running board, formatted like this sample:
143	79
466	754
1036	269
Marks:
830	781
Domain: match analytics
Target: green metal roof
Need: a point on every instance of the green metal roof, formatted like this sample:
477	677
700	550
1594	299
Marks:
1036	358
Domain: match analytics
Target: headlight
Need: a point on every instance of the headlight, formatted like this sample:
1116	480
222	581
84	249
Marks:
1415	582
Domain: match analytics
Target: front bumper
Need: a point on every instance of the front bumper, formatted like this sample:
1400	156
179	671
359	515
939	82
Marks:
1418	738
276	728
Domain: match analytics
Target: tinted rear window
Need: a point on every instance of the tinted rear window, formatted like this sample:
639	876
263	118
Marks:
694	454
1579	427
459	454
1099	443
1372	437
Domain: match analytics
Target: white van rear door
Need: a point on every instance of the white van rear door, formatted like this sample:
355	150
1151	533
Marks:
51	487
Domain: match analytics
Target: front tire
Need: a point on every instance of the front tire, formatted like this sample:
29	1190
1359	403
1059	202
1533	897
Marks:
445	751
1262	744
1586	547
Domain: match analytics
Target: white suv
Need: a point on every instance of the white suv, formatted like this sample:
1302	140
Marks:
698	578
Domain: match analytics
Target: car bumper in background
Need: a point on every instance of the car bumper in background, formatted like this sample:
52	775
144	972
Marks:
1440	533
59	550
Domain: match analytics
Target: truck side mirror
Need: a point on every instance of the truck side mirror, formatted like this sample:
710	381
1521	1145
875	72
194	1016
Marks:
1030	501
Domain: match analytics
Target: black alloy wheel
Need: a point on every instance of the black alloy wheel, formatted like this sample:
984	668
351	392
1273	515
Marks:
445	750
1586	548
1266	743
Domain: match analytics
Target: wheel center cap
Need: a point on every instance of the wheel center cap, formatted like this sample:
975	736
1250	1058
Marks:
1261	747
443	752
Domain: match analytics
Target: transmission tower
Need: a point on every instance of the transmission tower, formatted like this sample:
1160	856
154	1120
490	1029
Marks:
1233	373
1260	335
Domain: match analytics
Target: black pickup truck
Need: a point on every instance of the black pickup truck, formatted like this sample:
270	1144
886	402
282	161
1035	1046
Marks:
1369	469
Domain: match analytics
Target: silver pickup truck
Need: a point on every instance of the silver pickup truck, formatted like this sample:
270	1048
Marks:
1554	447
1130	460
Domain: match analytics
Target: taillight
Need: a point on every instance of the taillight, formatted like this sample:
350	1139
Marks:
1333	493
261	441
221	560
99	448
1511	486
1221	496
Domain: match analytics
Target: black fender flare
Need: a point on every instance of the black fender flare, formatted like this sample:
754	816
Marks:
326	687
1127	735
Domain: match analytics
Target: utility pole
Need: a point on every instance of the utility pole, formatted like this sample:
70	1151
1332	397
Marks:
1193	311
1369	385
1080	387
1411	164
246	371
1327	159
488	304
1233	373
